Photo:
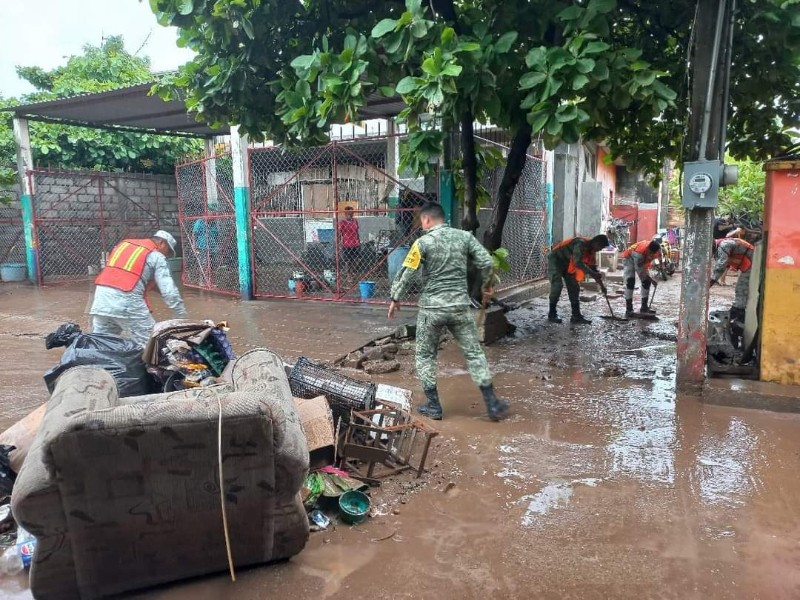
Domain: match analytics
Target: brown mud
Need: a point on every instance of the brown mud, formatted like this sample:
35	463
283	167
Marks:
601	483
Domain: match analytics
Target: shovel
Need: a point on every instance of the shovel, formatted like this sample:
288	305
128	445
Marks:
612	317
653	295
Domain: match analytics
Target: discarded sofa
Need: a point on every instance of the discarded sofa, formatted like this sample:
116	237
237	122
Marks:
123	494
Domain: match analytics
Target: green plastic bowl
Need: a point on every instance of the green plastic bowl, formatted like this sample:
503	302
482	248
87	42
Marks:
353	507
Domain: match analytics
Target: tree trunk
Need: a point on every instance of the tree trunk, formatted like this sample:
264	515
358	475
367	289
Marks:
470	165
493	238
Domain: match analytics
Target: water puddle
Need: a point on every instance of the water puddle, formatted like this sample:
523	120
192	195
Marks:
550	497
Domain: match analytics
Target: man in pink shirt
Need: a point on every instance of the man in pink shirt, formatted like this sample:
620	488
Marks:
349	240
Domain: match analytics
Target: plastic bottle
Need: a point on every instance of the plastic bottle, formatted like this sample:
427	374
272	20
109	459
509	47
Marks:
11	562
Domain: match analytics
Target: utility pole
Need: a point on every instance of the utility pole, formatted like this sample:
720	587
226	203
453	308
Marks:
710	66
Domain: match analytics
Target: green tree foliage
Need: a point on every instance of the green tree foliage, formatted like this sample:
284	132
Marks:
613	70
100	68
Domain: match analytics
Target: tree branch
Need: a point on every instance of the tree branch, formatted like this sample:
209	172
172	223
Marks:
493	238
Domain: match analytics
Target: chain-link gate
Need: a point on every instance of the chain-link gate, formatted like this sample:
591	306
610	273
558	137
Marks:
12	238
208	224
330	223
525	231
80	216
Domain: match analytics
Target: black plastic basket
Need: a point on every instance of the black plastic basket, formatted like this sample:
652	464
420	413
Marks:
308	380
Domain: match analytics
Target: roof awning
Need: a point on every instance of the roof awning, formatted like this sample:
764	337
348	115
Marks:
135	109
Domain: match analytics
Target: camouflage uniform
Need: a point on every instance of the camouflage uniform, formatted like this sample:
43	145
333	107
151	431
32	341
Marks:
440	257
737	254
558	262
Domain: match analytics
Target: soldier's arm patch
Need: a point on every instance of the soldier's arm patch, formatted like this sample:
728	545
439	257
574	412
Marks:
413	258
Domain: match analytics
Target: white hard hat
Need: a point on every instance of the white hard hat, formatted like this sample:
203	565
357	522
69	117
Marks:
167	237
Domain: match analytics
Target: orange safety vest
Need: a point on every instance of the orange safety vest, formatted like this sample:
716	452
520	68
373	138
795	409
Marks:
739	262
125	266
641	248
588	257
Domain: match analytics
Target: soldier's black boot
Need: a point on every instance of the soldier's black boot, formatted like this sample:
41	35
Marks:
577	317
432	409
552	316
646	308
629	307
495	407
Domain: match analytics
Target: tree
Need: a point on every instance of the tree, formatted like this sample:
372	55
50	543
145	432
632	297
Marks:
599	69
98	69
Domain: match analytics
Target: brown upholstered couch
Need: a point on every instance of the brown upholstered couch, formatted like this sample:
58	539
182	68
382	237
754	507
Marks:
123	494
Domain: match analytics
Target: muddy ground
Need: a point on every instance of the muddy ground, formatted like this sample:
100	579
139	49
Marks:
602	484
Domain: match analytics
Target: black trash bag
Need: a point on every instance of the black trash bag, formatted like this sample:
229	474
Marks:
7	474
63	336
120	357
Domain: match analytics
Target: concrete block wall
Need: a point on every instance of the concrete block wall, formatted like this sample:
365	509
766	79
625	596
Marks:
70	207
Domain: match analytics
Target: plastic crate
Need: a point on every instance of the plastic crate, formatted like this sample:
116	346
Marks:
344	394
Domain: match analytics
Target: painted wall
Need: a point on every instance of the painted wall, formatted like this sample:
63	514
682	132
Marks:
648	221
780	328
607	176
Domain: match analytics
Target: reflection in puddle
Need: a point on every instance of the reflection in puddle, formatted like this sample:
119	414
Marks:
724	466
645	449
554	495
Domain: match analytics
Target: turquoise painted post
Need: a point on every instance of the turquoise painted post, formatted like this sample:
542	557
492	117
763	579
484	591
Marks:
241	205
25	164
31	259
447	195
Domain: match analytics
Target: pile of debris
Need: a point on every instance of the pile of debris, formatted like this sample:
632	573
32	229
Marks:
380	356
359	434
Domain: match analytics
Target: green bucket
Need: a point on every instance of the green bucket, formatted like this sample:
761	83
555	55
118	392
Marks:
353	507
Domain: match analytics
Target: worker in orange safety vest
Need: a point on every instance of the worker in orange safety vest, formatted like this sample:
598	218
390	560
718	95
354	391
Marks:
134	267
637	260
569	262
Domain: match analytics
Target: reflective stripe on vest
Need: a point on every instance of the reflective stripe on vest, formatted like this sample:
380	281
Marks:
125	265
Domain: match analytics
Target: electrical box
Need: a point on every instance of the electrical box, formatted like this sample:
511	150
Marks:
701	181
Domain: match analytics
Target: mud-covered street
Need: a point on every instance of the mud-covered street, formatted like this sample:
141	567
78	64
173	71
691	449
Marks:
601	484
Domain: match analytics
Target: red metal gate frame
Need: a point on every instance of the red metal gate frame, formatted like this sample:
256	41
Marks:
338	295
99	179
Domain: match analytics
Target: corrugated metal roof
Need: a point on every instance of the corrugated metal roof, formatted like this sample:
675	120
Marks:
133	108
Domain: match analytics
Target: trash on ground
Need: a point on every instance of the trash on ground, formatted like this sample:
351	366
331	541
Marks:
120	357
329	482
388	445
63	336
343	393
354	507
318	521
185	354
7	474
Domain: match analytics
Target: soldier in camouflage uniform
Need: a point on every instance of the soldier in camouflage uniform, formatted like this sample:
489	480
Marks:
440	257
570	261
736	254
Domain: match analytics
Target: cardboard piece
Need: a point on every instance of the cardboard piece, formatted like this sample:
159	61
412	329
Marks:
21	434
317	422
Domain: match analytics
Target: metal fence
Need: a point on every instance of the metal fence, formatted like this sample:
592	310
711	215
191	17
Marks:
80	216
331	223
525	231
208	224
12	239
